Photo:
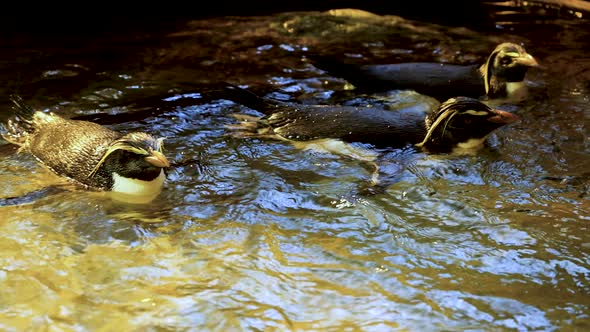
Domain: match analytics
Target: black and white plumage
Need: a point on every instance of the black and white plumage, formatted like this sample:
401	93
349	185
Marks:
88	153
501	76
458	125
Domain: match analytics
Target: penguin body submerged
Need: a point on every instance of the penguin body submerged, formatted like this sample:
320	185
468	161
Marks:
500	76
88	153
460	124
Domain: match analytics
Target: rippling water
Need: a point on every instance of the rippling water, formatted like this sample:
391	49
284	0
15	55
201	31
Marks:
259	234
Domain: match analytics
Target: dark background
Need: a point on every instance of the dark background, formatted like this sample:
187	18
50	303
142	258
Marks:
86	17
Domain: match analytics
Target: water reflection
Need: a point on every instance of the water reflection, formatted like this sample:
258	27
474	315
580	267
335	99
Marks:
256	234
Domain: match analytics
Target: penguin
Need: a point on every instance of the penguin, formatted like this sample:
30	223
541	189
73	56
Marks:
501	76
460	125
88	154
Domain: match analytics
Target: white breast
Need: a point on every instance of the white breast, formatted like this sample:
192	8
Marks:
127	188
469	147
516	91
336	146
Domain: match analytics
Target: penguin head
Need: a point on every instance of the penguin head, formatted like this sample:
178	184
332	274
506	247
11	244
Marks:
462	123
135	162
508	62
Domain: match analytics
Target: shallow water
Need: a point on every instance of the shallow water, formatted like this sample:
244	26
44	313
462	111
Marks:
257	234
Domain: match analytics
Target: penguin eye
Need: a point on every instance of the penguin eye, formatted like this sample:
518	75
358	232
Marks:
467	121
505	60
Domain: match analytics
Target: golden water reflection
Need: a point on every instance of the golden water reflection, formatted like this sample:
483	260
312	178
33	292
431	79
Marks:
262	235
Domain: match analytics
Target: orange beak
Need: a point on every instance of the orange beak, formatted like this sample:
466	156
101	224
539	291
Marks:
527	60
158	159
503	117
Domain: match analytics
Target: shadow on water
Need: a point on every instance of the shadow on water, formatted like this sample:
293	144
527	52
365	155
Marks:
252	233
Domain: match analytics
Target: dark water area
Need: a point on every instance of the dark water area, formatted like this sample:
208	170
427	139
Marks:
252	233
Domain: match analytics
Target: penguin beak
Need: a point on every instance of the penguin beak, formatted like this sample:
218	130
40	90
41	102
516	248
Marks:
158	159
526	60
503	117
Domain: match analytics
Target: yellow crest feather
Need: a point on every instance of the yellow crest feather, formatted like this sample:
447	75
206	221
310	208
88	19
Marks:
129	143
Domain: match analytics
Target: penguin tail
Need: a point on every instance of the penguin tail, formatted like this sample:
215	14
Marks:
330	64
249	99
23	112
16	129
333	65
337	67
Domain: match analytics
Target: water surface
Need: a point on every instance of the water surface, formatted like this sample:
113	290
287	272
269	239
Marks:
259	234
